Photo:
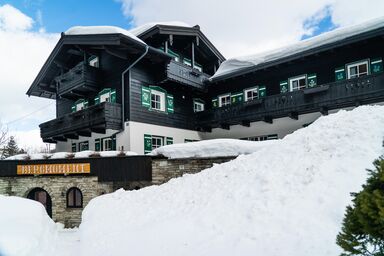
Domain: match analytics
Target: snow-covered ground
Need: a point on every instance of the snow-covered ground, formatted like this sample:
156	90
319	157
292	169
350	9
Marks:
287	198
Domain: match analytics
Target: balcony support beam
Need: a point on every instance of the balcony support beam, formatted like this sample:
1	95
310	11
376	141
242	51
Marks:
268	119
71	136
85	133
98	130
324	111
59	138
246	123
225	126
293	115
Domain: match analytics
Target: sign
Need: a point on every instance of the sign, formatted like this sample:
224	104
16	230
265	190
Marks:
41	169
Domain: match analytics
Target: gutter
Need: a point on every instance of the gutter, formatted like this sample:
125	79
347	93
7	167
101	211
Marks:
123	84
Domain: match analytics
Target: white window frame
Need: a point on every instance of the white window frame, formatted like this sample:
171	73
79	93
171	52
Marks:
197	104
105	97
94	62
227	102
159	138
80	106
246	98
161	102
297	78
356	64
105	144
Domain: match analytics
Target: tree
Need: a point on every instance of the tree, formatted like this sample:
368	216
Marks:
362	231
11	148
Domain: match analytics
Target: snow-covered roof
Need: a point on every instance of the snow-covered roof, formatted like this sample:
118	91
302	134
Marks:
95	30
145	27
64	155
235	64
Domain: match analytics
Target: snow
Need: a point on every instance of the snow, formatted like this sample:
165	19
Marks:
116	153
25	228
211	148
60	155
287	198
64	155
95	30
235	64
145	27
17	157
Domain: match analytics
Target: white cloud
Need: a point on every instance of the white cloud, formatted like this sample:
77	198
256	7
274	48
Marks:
23	51
247	26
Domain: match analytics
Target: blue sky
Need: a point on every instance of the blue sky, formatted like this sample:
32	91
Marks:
58	16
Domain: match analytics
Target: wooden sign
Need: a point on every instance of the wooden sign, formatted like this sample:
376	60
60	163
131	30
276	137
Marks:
41	169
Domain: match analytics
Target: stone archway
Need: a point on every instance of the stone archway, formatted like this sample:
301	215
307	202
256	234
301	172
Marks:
42	196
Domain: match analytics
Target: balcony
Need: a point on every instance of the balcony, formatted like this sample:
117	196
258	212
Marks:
96	118
186	75
335	95
78	81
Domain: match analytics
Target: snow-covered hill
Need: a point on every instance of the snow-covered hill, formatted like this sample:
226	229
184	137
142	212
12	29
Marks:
287	198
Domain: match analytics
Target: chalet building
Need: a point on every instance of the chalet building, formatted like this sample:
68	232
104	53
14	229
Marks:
167	83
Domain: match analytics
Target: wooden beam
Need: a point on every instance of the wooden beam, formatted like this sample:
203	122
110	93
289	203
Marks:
59	138
71	136
246	123
225	126
207	129
98	130
293	115
85	133
268	119
61	64
117	53
75	52
193	55
324	111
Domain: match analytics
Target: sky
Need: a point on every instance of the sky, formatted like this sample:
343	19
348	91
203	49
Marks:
29	29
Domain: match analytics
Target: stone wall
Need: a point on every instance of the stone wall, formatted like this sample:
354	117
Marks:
57	187
165	169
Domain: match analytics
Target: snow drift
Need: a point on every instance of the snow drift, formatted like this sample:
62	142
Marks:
288	198
25	228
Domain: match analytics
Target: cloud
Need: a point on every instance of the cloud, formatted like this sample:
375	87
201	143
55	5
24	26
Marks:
248	26
23	52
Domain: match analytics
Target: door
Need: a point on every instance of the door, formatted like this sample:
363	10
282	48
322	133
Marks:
42	196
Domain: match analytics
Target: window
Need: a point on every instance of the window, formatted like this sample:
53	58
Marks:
224	100
73	147
198	106
105	97
107	144
251	94
157	142
187	62
262	138
357	69
157	100
83	146
80	106
74	198
94	61
298	83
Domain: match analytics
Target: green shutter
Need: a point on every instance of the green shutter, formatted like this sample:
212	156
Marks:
113	95
170	103
312	80
215	103
86	103
97	100
73	108
340	74
147	143
97	145
169	140
237	97
283	87
262	92
376	65
145	96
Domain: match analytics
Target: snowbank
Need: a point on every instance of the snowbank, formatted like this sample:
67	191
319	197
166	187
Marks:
288	198
211	148
95	30
145	27
25	228
64	155
234	64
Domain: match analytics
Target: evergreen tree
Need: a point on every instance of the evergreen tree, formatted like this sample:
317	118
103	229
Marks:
11	148
362	232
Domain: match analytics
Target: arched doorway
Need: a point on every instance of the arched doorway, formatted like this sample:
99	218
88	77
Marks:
42	196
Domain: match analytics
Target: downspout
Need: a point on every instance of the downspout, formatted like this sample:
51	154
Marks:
123	84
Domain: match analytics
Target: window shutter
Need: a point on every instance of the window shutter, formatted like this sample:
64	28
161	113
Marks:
145	96
376	65
113	143
283	87
262	92
73	147
97	100
215	103
97	145
236	97
340	74
73	108
170	103
312	80
147	143
86	103
113	95
169	141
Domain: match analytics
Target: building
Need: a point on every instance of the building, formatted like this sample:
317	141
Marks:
167	83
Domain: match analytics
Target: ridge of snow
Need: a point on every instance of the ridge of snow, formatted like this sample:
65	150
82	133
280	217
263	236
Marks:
243	62
288	198
95	30
211	148
147	26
